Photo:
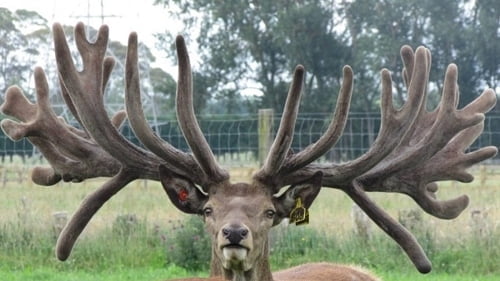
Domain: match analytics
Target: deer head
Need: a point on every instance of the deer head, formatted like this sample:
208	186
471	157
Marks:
414	149
239	216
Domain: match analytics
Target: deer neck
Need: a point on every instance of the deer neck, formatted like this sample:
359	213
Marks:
260	272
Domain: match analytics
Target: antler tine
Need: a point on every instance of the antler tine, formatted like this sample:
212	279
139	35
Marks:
187	119
283	140
395	124
85	91
18	106
109	63
394	229
176	159
73	157
333	132
91	204
407	56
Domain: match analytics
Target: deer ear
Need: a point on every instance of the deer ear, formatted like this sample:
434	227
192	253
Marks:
182	192
306	191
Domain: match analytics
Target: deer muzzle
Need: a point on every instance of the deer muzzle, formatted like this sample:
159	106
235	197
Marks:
235	243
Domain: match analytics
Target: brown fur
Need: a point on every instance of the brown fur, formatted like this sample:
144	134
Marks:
199	279
312	272
324	272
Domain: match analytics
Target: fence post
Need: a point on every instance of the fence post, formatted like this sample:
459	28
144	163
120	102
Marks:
265	132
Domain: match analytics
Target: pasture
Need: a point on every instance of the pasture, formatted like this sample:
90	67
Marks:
139	235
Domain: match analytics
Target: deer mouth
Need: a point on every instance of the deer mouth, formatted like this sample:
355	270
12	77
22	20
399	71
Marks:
234	246
235	252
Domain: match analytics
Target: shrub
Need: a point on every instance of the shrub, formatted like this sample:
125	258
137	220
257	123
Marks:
126	225
188	245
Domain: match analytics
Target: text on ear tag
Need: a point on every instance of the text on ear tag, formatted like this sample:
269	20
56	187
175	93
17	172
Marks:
299	215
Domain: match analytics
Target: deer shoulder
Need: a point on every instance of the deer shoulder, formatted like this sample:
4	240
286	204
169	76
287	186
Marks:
324	272
199	279
312	272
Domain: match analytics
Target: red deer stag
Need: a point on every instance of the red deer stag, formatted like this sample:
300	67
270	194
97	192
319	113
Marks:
414	149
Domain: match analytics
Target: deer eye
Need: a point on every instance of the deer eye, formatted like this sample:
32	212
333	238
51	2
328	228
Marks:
270	214
207	212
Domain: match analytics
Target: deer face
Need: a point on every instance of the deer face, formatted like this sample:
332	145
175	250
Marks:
238	216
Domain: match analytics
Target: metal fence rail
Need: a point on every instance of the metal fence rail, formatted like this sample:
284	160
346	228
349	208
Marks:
234	139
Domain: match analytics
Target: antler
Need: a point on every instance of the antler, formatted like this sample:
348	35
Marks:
414	148
71	153
211	171
99	149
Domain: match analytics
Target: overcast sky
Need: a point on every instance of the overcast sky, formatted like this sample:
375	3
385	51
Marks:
122	17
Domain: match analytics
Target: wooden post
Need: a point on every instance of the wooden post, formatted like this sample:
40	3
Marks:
60	220
265	133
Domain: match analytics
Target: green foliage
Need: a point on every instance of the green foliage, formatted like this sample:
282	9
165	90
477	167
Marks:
290	243
188	245
263	41
295	245
126	225
22	32
485	28
26	248
112	274
164	86
257	44
453	30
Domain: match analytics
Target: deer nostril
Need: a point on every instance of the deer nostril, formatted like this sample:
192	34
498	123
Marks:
226	232
243	232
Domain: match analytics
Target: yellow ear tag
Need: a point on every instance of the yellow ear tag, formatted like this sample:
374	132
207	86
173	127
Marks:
299	215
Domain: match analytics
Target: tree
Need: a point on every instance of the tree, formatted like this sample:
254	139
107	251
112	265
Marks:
23	34
163	86
453	32
262	41
486	29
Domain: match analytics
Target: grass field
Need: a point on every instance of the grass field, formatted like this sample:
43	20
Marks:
138	235
156	274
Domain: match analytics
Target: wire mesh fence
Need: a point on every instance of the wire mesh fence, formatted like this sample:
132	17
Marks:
234	139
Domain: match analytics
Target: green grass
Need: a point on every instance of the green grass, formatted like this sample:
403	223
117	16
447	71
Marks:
398	276
112	274
159	274
139	235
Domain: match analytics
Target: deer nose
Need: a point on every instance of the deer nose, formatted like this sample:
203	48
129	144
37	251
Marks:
234	234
